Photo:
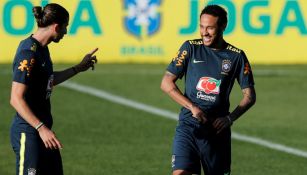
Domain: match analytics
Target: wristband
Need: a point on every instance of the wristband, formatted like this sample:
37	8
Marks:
74	69
39	125
228	117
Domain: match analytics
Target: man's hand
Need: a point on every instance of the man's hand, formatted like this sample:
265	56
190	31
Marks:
49	138
88	61
222	123
199	114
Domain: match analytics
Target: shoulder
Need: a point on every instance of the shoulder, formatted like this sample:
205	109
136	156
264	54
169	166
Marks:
194	42
26	53
28	45
233	49
27	48
190	45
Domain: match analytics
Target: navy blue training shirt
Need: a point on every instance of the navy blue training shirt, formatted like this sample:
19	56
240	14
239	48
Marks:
33	67
210	75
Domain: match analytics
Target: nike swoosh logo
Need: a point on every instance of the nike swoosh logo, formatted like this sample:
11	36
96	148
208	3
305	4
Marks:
198	61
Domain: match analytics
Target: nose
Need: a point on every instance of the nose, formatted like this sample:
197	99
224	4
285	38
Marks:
204	32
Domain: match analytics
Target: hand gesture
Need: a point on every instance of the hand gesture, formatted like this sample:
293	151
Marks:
199	114
221	123
49	138
88	61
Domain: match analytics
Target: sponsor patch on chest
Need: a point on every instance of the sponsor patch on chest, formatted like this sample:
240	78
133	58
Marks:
207	88
209	85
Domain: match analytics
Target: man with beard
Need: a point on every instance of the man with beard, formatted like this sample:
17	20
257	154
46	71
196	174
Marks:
34	143
210	66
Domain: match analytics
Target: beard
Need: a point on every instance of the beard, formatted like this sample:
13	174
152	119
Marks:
57	38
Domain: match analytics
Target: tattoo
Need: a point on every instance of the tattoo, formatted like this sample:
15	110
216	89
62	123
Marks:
248	100
247	93
175	89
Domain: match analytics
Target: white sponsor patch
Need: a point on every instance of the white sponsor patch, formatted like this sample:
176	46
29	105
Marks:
205	97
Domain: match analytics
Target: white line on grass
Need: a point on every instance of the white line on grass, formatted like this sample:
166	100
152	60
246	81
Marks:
171	115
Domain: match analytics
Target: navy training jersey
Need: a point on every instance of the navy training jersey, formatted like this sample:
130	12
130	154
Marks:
210	75
32	66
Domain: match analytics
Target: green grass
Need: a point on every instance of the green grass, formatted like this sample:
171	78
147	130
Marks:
101	137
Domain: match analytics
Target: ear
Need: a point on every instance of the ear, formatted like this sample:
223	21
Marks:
56	27
53	28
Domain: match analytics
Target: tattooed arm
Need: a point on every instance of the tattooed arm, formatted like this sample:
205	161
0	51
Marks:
248	100
168	85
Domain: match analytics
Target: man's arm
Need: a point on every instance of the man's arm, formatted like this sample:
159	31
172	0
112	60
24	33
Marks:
168	85
88	61
20	105
248	100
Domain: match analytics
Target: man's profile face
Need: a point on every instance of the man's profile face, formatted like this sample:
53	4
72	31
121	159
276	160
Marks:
210	32
61	31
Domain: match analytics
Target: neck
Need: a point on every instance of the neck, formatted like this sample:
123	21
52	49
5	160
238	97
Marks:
220	44
42	36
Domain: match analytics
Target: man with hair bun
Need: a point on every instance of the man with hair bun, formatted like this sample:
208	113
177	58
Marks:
34	143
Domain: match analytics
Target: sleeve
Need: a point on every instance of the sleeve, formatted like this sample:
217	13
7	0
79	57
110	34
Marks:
22	67
245	77
179	63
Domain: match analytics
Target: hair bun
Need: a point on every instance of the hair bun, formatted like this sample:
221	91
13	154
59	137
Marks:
38	12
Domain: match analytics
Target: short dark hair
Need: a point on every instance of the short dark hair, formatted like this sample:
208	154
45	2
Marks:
51	13
216	11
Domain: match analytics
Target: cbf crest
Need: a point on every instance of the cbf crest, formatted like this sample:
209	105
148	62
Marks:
142	17
226	67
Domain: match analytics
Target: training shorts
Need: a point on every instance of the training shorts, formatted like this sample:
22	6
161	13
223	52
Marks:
197	145
32	157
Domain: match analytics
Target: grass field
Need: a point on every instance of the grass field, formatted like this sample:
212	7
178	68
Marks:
101	137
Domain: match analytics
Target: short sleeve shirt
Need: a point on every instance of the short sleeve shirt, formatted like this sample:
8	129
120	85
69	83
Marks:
210	75
32	67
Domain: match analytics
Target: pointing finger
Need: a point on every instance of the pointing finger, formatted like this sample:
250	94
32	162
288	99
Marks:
93	51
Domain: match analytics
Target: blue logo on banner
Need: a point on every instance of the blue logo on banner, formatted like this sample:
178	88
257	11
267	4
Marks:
142	17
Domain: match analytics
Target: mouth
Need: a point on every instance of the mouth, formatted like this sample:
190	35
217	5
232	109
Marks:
207	39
